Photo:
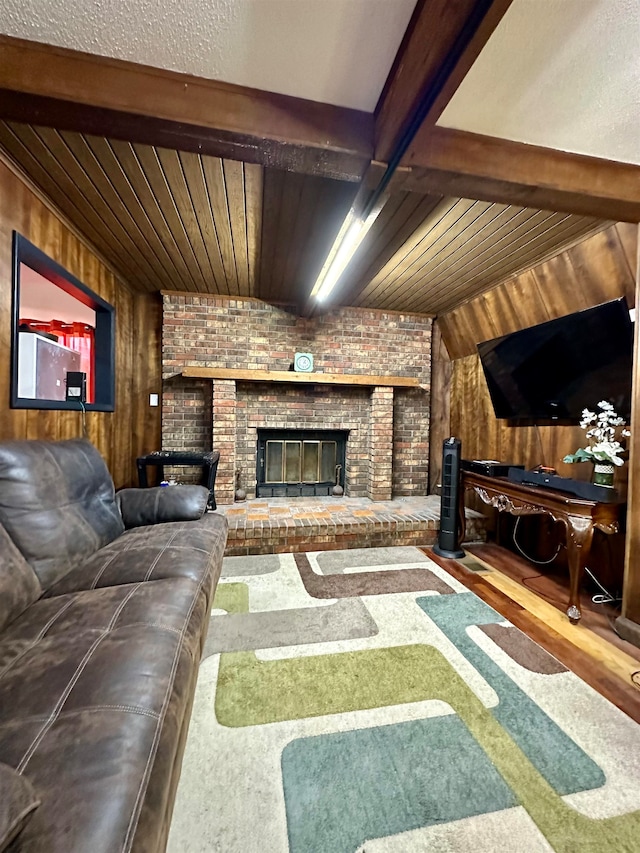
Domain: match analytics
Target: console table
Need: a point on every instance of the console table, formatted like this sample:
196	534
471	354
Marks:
207	461
579	516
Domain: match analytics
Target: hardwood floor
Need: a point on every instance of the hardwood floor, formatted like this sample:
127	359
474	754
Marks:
552	584
535	602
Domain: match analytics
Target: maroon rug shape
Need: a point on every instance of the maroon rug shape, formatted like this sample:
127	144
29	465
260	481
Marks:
368	583
522	649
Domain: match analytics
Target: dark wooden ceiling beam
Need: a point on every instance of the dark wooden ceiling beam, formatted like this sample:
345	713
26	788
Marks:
468	165
69	90
443	39
441	42
449	162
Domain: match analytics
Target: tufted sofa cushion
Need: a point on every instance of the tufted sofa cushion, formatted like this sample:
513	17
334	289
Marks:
17	802
170	550
57	502
19	586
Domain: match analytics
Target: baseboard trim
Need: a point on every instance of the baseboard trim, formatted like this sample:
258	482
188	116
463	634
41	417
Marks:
628	630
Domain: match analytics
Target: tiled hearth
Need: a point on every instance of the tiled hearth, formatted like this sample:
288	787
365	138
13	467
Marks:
281	525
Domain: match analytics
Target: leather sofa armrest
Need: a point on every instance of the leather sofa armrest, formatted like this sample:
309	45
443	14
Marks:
157	505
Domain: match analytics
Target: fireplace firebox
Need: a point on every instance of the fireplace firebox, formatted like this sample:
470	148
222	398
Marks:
296	463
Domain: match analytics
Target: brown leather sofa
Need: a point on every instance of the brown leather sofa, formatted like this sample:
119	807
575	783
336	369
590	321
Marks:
101	632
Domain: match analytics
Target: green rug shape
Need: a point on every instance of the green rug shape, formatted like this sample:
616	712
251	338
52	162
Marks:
232	597
561	761
252	692
412	774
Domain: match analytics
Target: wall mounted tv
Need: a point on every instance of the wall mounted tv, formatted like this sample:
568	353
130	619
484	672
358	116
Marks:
551	372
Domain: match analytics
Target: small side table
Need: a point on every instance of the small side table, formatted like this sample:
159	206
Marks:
159	458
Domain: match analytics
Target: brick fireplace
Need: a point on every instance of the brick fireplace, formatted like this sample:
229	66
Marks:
235	346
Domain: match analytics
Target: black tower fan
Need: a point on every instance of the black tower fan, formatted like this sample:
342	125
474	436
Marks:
448	544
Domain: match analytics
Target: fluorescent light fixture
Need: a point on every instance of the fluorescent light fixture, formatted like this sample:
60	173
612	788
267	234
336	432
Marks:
351	234
337	261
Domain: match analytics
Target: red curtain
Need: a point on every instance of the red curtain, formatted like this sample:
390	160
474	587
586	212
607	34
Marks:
77	336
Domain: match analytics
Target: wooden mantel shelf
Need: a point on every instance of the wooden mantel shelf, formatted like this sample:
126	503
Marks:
303	378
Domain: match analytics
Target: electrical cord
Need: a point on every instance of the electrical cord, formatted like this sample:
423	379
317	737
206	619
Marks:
84	419
606	597
612	625
525	555
539	437
540	594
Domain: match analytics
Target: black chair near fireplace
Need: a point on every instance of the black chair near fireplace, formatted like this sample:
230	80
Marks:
208	462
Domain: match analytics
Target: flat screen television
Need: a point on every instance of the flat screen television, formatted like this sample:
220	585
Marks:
552	371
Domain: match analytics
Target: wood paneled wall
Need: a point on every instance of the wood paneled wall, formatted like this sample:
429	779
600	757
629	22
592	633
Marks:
133	428
631	600
600	268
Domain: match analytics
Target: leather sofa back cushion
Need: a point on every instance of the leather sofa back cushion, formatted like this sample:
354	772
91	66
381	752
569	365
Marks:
57	501
17	802
19	586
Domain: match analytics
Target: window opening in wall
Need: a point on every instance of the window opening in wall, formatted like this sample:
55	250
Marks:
59	326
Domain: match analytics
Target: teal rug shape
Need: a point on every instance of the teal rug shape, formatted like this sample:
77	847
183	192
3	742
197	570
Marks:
345	788
566	767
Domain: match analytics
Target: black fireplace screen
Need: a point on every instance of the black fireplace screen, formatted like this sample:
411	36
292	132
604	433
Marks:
299	462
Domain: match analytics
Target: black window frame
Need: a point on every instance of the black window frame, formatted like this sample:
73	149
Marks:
24	252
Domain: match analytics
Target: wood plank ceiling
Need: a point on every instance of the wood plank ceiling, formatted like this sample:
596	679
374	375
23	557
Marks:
175	220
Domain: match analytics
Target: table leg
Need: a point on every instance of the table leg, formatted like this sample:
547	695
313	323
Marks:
579	538
142	474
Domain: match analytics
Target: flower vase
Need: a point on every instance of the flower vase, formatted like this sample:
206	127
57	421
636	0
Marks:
603	474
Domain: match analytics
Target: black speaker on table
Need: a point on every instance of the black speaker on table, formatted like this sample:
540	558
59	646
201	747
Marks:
448	544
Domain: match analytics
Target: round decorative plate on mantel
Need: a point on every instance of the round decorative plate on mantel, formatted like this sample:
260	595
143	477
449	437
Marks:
303	362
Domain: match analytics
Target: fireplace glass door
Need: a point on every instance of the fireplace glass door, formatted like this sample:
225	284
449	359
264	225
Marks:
293	463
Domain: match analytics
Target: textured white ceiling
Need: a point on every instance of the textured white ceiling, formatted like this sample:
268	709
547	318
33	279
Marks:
564	74
558	73
335	51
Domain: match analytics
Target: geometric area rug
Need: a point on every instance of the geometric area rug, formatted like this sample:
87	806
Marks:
364	701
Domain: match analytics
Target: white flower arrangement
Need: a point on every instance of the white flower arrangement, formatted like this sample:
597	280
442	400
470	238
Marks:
601	427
